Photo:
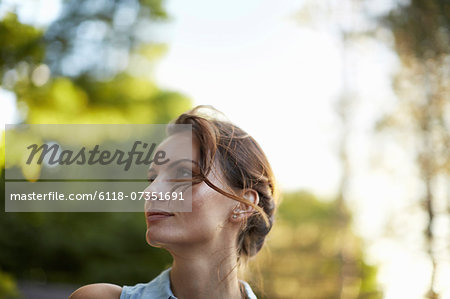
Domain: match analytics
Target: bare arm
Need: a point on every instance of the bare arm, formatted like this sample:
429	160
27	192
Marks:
97	290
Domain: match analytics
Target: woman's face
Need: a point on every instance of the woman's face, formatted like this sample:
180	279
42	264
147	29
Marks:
209	221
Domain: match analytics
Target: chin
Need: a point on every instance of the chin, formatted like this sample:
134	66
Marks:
155	238
152	242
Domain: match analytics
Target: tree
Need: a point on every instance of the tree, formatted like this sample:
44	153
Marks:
339	19
422	41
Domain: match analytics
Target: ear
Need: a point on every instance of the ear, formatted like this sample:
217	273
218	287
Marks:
252	196
241	210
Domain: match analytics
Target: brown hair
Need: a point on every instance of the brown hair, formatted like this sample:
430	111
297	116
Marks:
244	165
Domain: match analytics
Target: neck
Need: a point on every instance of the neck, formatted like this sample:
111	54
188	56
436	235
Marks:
195	274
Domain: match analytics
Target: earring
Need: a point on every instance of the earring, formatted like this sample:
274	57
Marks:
234	216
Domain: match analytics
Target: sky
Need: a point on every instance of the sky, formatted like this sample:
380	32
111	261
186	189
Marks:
279	80
257	67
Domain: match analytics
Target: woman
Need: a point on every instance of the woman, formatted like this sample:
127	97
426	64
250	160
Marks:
233	203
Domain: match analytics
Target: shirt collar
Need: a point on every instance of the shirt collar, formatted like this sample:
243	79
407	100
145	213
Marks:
164	284
163	280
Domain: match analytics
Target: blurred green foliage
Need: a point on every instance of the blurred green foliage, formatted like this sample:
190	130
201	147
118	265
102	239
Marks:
19	42
8	288
78	247
301	259
93	65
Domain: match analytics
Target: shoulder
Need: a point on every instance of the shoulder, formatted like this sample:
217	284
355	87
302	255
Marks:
97	290
159	287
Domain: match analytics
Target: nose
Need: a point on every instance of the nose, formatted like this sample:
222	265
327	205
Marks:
156	194
162	194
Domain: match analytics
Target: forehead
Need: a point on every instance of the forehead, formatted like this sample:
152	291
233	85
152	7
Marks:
180	146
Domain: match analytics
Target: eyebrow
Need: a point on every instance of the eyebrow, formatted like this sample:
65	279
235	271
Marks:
174	163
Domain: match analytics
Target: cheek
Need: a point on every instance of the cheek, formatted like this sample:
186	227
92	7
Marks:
207	216
210	210
206	204
199	204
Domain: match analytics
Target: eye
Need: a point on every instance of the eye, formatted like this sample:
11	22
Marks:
183	173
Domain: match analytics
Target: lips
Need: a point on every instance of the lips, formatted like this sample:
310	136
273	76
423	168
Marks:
154	215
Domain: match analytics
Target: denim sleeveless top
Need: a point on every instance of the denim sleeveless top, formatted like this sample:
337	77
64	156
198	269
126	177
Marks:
159	288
